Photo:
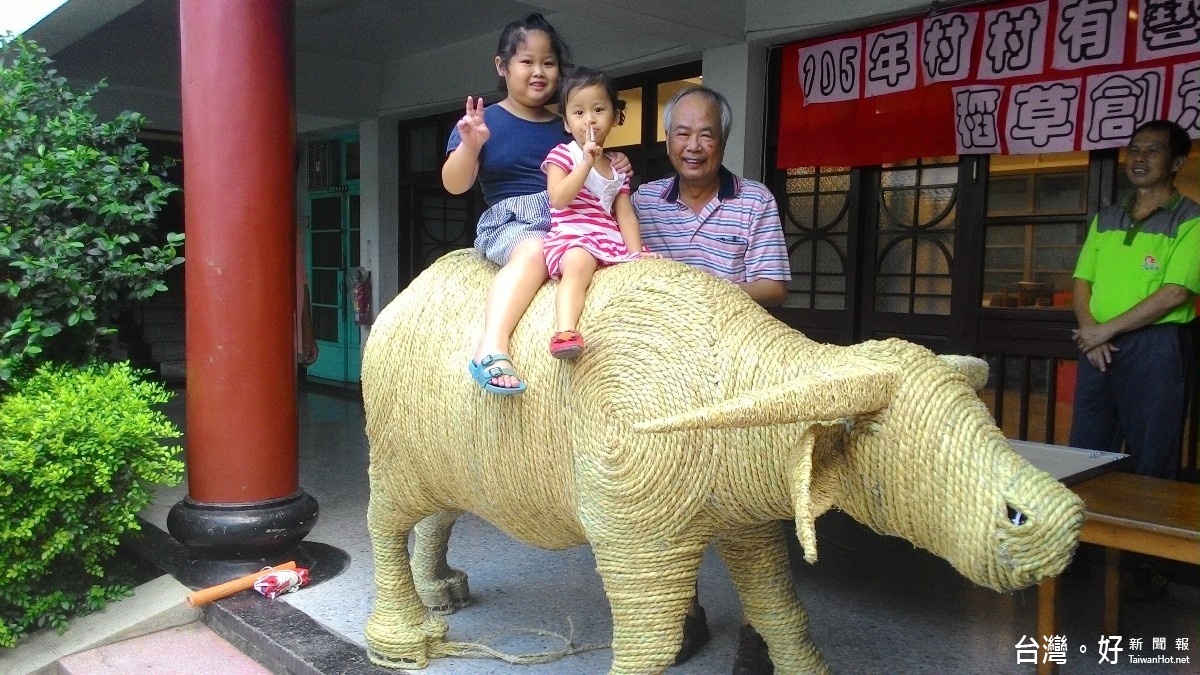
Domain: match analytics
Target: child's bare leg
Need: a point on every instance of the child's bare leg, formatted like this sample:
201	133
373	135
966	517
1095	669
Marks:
578	266
511	292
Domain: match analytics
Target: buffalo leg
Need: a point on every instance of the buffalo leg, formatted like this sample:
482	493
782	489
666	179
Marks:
400	632
649	592
442	588
757	561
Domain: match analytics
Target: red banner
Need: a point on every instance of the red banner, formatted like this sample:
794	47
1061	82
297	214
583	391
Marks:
1006	78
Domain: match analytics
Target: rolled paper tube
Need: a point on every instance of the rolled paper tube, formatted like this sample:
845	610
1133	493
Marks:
212	593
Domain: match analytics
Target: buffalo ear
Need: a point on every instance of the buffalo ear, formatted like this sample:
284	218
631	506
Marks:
802	503
974	369
847	390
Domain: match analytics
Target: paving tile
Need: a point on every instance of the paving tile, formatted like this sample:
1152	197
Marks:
183	650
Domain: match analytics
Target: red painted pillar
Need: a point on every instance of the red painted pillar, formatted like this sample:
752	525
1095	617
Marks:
239	195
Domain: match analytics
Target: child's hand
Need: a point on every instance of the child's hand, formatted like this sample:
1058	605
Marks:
471	127
643	254
591	151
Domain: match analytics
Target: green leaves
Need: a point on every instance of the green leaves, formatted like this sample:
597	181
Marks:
78	201
79	446
80	449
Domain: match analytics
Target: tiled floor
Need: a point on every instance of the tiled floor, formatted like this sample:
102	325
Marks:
877	604
191	648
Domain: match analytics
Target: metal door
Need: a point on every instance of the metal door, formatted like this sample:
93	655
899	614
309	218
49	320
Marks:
873	251
908	272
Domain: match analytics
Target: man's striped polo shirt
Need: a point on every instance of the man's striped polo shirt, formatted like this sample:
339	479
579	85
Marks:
737	236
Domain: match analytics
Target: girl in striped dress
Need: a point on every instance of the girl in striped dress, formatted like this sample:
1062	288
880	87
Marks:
592	221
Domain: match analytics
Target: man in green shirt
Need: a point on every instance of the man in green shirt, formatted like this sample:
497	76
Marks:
1134	283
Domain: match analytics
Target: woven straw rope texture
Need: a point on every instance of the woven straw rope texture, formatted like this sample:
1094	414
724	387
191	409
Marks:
602	450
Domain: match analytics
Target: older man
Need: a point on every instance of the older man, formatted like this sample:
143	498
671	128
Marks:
706	216
729	226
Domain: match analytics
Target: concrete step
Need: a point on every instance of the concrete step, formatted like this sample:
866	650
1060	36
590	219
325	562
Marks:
163	332
169	315
155	605
168	351
173	371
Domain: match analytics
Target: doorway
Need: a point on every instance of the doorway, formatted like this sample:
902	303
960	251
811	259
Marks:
333	256
332	208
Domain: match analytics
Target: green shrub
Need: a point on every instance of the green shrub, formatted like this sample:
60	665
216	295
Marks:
78	201
80	448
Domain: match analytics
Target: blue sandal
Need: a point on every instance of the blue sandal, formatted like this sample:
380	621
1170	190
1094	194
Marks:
484	371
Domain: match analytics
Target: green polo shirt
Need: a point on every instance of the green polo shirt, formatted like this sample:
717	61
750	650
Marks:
1126	260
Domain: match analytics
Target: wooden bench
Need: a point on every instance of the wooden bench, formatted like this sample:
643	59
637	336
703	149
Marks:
1128	513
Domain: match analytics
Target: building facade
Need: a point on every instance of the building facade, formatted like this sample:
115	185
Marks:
894	228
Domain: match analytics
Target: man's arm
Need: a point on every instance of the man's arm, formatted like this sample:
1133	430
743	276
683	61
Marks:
1146	312
1082	303
766	292
766	255
1181	276
1100	355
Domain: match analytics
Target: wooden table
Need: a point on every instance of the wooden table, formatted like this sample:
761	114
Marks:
1128	513
1068	465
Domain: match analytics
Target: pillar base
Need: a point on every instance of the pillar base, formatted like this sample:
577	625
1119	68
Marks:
205	572
248	531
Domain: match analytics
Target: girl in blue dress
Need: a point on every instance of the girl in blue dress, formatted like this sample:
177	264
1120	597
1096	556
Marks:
503	146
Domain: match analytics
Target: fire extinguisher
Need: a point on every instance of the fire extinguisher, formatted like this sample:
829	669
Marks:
360	293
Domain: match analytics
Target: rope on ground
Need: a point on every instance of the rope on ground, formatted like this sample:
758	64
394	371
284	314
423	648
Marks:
481	650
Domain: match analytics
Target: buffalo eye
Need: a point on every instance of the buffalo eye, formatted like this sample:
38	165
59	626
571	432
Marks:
1016	517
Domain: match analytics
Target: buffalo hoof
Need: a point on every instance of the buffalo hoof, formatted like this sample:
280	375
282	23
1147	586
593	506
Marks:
392	645
695	635
752	657
446	595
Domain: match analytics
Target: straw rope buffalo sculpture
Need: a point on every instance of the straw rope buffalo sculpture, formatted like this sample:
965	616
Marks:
695	417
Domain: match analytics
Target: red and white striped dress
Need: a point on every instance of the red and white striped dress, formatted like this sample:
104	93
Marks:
587	222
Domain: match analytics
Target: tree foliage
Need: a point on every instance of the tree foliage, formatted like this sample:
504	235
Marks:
81	451
78	202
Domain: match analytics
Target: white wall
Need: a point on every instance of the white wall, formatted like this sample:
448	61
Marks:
779	21
739	72
163	109
438	80
339	88
379	153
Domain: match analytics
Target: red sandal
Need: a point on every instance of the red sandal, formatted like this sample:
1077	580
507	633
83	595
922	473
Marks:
566	344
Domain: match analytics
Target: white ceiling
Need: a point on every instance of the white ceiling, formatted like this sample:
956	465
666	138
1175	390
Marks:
134	44
359	59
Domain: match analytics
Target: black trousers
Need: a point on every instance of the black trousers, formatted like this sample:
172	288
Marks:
1139	401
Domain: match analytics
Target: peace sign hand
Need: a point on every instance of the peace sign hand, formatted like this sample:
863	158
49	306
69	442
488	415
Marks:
471	127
